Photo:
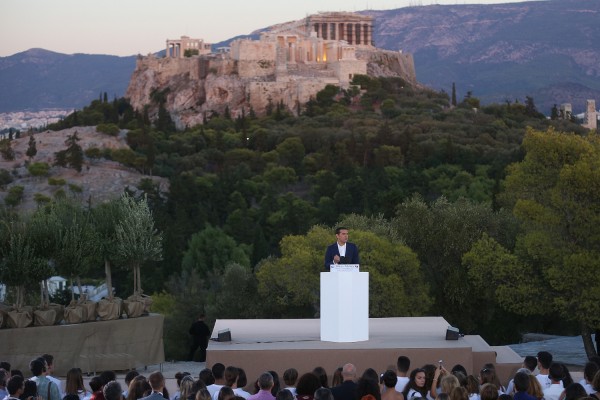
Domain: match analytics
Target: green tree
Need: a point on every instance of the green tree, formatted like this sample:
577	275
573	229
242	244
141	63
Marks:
554	192
210	250
31	147
138	241
454	94
72	156
6	150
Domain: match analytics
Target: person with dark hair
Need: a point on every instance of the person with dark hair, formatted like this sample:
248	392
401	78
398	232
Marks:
416	385
488	391
113	391
45	388
29	391
3	379
556	374
521	384
290	377
322	375
226	393
265	384
342	251
218	372
589	371
472	387
505	396
276	385
200	333
157	383
242	381
575	392
138	388
5	365
50	364
336	378
402	368
347	389
128	378
390	381
285	394
529	363
367	387
207	377
459	368
96	384
323	393
307	386
74	384
544	360
14	387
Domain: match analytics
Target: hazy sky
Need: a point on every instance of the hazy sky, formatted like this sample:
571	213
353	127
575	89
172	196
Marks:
128	27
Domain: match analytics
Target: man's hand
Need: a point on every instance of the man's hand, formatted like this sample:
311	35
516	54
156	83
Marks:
336	259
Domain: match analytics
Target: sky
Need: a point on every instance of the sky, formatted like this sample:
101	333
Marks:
129	27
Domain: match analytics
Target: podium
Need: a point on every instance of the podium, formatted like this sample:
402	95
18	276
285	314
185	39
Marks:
344	306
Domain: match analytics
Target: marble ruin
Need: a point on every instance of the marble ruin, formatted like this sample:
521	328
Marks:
289	64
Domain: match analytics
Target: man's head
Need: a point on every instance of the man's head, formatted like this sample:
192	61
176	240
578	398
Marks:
37	367
389	379
349	372
403	365
3	377
15	386
556	372
341	234
521	381
156	381
49	363
5	366
108	376
544	359
96	384
530	362
112	391
218	370
265	381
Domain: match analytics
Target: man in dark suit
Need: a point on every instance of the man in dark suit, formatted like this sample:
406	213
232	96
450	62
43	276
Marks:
342	251
157	383
347	390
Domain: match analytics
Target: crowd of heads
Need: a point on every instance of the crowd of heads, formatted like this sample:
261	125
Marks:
536	379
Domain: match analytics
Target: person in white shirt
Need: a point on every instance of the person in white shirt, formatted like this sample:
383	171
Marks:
589	371
402	368
218	370
544	361
555	373
50	370
290	377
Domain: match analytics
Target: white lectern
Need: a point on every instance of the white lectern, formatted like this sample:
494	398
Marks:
344	306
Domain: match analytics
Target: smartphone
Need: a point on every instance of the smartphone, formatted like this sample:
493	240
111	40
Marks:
440	363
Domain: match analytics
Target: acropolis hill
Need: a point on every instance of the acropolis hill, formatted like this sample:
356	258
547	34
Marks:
288	65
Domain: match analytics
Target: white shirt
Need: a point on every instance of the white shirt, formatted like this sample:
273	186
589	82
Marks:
544	381
342	250
291	389
553	392
402	381
241	392
214	388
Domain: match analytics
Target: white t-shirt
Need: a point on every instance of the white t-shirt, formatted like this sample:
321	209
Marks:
342	250
553	392
544	381
214	388
402	381
241	392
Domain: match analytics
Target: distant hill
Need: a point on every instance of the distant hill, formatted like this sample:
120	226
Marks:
549	50
39	79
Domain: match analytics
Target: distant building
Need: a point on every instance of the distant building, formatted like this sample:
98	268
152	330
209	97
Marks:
565	112
590	118
176	48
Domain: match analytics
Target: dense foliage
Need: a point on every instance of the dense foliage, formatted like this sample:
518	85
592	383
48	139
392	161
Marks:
252	201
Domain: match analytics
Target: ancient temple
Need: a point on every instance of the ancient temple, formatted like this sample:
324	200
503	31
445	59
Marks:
176	48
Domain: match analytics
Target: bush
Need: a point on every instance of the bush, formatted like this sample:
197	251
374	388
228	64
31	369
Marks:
109	129
93	152
14	196
38	169
124	156
41	199
75	188
5	177
56	181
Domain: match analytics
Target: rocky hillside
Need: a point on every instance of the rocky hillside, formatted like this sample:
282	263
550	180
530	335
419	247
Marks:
99	180
545	49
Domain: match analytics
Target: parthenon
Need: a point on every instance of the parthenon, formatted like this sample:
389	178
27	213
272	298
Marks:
355	29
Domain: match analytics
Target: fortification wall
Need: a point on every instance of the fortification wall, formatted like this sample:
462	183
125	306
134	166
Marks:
387	63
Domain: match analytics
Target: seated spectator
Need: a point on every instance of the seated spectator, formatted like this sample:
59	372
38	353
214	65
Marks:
574	392
290	377
337	378
241	383
178	377
207	377
74	384
367	387
307	386
128	378
567	378
448	383
29	390
535	388
112	391
528	366
390	380
472	387
416	385
323	394
276	385
544	361
226	393
371	374
202	394
347	389
138	388
589	371
402	370
322	375
285	394
3	378
521	384
556	374
488	391
96	386
265	384
14	387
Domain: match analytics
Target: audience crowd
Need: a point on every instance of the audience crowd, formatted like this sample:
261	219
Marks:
539	379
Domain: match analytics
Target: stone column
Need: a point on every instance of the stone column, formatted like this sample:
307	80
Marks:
167	52
350	32
317	26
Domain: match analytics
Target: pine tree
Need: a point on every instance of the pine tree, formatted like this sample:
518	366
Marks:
72	155
453	94
31	148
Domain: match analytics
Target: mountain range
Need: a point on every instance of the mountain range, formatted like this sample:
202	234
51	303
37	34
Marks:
548	50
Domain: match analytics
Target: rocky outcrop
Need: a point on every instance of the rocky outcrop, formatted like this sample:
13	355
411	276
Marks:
203	86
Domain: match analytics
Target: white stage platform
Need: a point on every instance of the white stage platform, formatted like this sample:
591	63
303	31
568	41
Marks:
259	345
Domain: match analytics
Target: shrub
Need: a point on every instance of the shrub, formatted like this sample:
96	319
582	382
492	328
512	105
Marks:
38	169
109	129
14	196
93	152
41	199
56	181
